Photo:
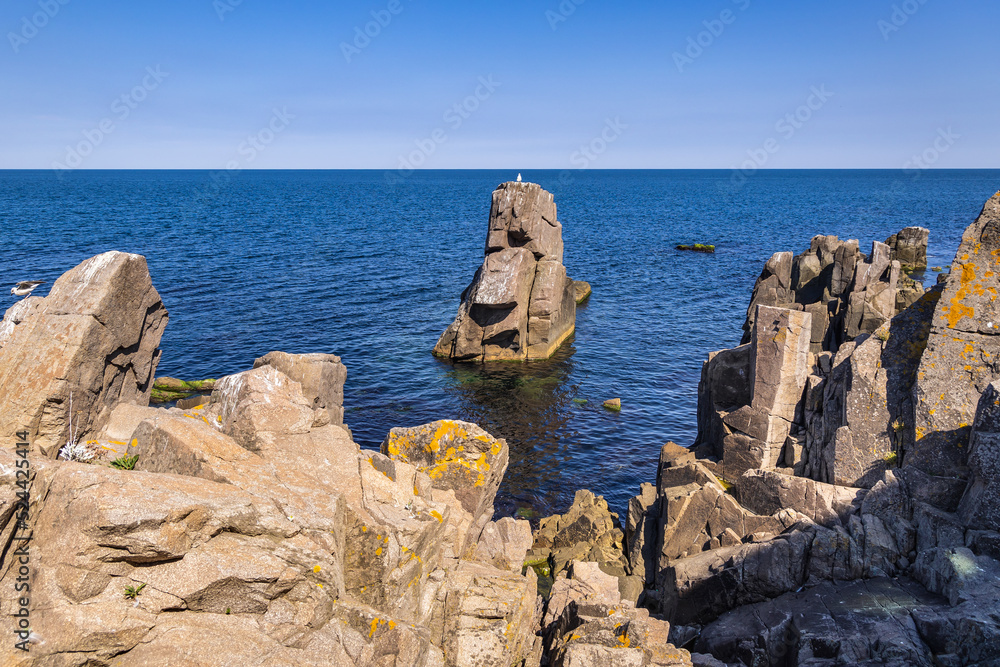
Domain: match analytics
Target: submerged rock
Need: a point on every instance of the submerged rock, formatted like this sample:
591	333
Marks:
581	291
520	304
168	389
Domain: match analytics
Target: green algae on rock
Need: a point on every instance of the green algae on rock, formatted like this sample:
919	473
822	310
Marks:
167	389
698	247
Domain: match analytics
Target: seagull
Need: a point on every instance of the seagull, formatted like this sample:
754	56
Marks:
25	287
519	178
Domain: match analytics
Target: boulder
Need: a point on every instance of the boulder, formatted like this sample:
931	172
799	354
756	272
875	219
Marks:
321	376
581	291
484	617
587	623
457	456
95	337
909	247
959	362
779	367
520	304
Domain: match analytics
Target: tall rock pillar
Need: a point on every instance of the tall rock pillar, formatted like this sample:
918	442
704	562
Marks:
520	305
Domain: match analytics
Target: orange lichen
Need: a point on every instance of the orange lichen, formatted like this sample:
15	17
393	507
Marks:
958	309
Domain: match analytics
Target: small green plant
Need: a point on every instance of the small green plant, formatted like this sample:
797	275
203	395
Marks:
892	459
228	611
125	462
882	334
898	425
132	592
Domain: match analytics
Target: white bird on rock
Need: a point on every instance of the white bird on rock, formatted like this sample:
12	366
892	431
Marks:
519	178
25	287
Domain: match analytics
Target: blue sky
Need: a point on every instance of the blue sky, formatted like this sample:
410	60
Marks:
206	84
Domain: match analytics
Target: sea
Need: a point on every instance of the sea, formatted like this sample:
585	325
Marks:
369	265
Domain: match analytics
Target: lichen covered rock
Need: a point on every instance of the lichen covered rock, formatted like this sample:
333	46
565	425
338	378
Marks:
961	358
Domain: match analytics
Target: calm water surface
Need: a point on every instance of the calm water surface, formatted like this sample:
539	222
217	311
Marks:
343	262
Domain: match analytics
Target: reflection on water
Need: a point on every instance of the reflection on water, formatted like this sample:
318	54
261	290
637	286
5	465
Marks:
529	405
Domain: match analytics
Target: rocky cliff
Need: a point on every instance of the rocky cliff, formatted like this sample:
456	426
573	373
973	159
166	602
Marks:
520	304
839	507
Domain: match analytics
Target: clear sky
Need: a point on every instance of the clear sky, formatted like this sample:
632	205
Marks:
701	84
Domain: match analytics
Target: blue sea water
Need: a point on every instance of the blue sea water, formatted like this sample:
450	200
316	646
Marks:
348	263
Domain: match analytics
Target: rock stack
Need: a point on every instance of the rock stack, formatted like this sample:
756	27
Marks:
520	304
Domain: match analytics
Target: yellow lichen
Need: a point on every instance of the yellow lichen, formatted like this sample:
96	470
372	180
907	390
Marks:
959	310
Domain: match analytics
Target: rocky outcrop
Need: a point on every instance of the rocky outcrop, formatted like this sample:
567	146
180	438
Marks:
257	518
960	360
859	414
95	337
849	535
847	293
909	247
249	529
520	304
824	391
